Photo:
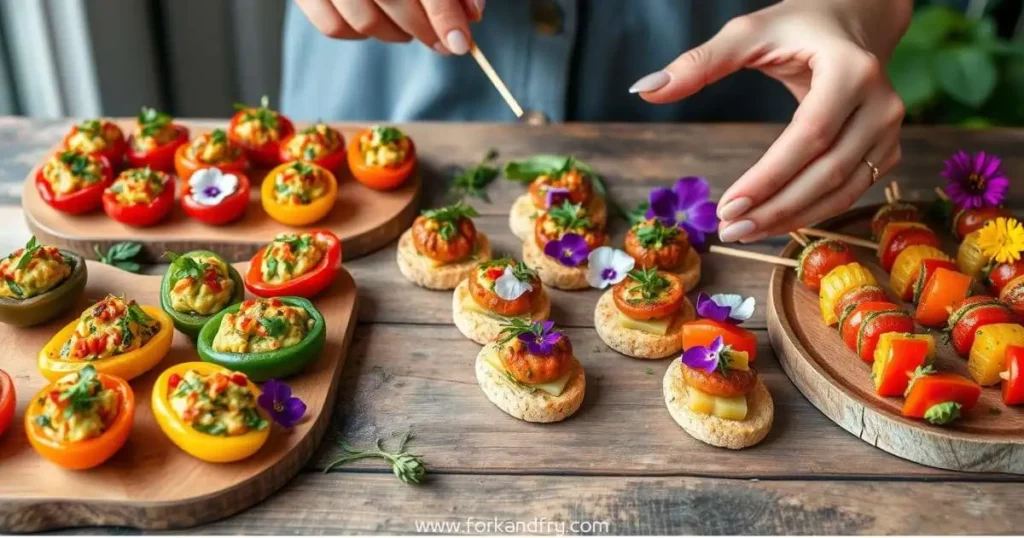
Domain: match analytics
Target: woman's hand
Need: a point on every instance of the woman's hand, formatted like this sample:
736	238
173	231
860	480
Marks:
442	25
830	55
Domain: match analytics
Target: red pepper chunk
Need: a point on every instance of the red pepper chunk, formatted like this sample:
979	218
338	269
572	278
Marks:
893	371
1013	376
928	268
702	332
936	389
943	290
173	381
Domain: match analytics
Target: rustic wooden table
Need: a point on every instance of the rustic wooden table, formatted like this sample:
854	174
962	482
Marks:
620	461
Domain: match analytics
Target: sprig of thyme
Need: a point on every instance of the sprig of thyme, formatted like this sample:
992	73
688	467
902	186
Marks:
409	468
474	181
569	216
649	283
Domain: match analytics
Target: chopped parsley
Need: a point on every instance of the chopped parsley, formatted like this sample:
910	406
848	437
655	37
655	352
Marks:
447	217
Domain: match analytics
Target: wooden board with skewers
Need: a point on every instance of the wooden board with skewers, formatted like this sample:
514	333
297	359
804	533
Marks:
985	435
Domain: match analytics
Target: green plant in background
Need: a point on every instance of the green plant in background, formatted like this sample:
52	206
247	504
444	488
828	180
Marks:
951	68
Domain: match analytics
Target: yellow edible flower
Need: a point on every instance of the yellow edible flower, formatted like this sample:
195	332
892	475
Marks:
1002	239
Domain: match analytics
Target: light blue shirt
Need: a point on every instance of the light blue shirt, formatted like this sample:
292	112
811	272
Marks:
581	72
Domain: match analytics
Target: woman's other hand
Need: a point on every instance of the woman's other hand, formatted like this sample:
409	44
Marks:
442	25
830	54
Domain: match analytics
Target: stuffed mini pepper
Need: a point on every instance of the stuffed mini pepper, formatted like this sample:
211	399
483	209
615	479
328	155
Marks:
264	338
116	336
98	137
302	265
381	158
442	248
653	244
563	239
214	197
39	283
259	131
210	412
299	193
530	372
155	140
319	144
140	197
716	396
494	291
554	180
196	286
642	316
82	419
210	150
73	181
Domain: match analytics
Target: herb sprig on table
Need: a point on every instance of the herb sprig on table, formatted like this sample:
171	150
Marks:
409	468
121	255
475	180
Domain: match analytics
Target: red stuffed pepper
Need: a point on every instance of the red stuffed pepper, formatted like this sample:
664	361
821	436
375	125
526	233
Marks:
140	197
98	137
155	140
73	181
295	264
209	150
259	131
215	197
319	144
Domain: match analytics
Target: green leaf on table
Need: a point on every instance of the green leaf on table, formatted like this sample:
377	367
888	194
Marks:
966	73
529	169
121	255
912	76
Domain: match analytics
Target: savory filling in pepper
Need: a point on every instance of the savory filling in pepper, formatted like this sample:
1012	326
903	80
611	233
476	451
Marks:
290	256
569	184
653	244
446	234
138	186
152	130
78	408
92	136
300	184
213	148
313	142
110	327
215	404
258	125
70	171
565	219
385	147
262	325
204	284
33	270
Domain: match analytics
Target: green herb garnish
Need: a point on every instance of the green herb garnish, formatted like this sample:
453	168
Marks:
79	164
274	326
649	285
263	113
448	217
386	135
474	181
520	270
152	121
187	266
121	255
31	248
409	468
569	216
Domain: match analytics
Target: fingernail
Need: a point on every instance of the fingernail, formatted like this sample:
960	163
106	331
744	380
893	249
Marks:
480	4
651	82
734	208
439	48
457	42
736	231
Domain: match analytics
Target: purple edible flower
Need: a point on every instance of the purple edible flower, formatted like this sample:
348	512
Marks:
974	181
707	308
687	206
554	196
571	250
705	358
725	308
541	339
277	400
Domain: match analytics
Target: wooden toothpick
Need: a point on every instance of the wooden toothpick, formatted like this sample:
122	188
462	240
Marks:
896	191
798	238
478	55
737	253
839	237
888	195
941	194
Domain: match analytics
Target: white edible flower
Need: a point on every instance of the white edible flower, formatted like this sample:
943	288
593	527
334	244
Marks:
740	309
210	186
510	288
608	266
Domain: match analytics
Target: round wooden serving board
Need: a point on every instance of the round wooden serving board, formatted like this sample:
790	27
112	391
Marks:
363	218
150	483
990	438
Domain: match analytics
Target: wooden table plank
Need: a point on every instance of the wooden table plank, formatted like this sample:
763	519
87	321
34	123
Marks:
359	503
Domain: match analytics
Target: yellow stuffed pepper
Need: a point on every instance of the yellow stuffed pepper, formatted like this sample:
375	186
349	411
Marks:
299	193
210	412
118	337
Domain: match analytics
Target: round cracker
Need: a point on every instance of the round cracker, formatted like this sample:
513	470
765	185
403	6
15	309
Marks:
689	270
551	272
523	214
521	402
483	328
419	270
734	434
639	344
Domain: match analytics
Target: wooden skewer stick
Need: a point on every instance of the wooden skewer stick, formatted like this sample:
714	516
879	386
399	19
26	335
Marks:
839	237
737	253
941	194
896	191
888	195
798	238
478	55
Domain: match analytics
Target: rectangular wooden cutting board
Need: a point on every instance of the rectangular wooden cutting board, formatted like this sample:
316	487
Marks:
150	483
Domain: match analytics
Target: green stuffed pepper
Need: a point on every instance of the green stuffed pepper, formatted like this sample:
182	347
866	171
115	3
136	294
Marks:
265	338
39	283
196	286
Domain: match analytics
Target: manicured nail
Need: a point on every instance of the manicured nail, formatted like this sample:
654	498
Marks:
734	208
457	42
651	82
439	48
480	4
737	231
